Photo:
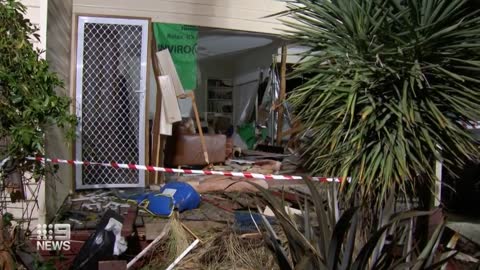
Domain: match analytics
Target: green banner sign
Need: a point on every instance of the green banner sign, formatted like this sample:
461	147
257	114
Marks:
181	41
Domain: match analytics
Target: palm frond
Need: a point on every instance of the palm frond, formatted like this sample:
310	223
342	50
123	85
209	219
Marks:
389	85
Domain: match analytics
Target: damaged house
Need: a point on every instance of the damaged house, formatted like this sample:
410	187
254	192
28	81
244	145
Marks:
178	103
103	52
135	107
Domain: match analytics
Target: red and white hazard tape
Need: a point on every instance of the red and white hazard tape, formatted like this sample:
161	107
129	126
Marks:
186	171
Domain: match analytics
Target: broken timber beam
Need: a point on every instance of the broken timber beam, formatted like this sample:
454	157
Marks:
281	98
157	149
191	94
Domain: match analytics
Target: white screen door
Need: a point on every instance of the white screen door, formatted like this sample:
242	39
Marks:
110	100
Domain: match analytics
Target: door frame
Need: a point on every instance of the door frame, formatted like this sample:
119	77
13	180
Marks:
143	121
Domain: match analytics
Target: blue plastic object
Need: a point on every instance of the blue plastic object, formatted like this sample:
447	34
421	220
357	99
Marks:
185	197
246	221
158	204
154	202
173	195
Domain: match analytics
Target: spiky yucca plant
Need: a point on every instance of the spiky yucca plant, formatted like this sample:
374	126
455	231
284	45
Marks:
329	236
390	85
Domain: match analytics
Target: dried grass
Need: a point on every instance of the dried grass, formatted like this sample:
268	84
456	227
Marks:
227	251
178	239
222	250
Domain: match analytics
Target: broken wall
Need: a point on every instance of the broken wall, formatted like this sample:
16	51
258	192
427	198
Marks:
246	79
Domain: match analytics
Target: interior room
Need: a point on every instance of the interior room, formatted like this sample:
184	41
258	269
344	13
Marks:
231	65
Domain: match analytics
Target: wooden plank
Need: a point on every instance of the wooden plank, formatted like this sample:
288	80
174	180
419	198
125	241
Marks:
154	227
281	98
165	126
157	148
167	67
160	177
172	110
170	113
149	247
297	127
437	186
200	131
147	105
165	130
112	265
129	221
191	94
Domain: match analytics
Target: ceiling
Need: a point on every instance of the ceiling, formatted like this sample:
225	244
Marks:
216	42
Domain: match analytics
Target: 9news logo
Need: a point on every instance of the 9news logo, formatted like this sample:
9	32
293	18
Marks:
53	237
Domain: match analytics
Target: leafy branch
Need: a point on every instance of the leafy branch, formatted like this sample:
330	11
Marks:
28	101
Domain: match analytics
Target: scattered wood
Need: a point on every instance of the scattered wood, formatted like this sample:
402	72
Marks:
229	250
256	235
229	185
112	265
191	94
253	154
149	247
171	108
191	232
157	145
154	228
214	178
267	164
289	210
281	98
244	200
218	205
177	260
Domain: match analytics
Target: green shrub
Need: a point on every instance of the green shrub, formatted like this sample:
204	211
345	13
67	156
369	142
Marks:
28	103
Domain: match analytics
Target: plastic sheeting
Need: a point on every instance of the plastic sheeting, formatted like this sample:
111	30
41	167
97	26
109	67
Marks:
245	98
270	97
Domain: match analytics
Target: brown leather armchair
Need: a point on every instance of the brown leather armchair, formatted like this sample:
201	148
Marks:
185	149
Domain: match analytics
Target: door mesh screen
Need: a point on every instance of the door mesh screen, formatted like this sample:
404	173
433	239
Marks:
110	102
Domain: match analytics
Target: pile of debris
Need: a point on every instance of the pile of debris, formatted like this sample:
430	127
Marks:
106	226
212	183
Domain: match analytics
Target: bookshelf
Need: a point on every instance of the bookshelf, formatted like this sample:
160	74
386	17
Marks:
219	99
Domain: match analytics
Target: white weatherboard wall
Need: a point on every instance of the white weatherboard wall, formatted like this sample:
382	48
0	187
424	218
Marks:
58	55
58	13
37	14
245	15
